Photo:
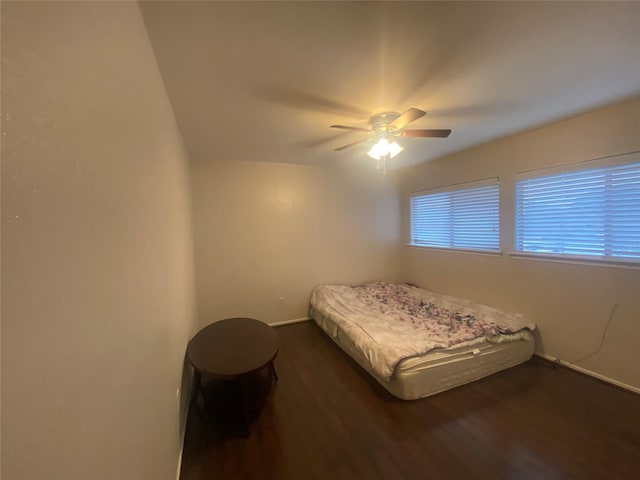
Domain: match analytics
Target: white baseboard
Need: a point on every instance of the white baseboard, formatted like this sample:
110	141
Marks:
287	322
180	461
183	426
588	372
182	445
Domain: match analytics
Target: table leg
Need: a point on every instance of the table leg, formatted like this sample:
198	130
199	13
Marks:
273	370
245	405
197	390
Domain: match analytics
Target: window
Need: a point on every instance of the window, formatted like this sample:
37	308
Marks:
459	217
593	212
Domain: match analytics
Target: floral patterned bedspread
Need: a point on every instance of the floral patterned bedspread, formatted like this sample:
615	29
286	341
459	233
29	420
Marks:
390	322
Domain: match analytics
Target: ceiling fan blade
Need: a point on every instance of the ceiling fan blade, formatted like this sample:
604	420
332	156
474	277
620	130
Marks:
308	101
316	142
440	133
406	118
346	127
351	144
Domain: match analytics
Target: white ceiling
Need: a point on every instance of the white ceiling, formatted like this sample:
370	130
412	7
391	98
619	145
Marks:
263	81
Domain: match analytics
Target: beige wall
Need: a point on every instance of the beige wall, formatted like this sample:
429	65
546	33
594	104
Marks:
97	291
97	297
570	303
268	231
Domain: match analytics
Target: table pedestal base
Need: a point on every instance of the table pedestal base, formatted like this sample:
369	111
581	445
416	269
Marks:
231	404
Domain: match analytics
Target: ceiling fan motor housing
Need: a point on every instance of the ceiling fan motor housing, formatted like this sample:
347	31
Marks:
380	122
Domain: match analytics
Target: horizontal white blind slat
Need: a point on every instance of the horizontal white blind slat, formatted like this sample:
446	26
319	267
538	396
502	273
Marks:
463	217
582	212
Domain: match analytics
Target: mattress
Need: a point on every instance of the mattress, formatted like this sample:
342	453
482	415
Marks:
439	369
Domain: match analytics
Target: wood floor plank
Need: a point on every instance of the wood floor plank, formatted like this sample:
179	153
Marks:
328	419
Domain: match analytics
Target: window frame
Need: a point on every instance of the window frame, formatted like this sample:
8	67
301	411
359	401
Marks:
492	181
598	260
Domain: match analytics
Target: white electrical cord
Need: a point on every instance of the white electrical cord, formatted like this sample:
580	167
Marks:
604	336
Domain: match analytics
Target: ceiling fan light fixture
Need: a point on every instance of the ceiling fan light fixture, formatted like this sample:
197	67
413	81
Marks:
384	149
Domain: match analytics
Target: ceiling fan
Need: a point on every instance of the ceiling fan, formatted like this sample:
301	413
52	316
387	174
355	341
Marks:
391	124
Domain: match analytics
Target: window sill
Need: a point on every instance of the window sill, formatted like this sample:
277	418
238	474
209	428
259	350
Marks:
469	251
616	262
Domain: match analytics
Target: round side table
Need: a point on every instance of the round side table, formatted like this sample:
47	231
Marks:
234	350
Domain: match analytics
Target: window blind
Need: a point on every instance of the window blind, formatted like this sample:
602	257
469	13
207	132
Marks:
592	212
463	217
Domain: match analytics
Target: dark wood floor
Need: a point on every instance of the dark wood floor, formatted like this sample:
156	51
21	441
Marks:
327	419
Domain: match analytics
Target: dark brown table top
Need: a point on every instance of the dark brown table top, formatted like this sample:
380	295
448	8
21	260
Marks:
234	346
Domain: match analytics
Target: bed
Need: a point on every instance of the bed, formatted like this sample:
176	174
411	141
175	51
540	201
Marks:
417	343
